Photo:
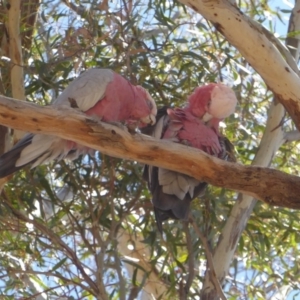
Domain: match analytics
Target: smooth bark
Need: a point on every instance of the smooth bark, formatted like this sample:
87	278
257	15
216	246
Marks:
259	47
269	185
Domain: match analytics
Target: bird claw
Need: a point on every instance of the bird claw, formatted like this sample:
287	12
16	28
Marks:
119	125
133	125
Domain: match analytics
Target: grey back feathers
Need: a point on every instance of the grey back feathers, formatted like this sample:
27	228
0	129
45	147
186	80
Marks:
171	191
86	90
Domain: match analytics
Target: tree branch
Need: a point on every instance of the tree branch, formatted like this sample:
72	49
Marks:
250	39
79	9
293	39
15	53
269	185
272	139
292	136
153	287
210	268
29	12
93	288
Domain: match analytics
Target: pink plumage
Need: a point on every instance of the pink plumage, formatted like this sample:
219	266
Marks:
124	102
192	131
196	125
100	93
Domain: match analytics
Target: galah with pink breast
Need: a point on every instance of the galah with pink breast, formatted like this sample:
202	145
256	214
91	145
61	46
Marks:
196	125
100	93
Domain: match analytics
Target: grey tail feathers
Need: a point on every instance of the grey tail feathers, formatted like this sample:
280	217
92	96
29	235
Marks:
169	206
8	160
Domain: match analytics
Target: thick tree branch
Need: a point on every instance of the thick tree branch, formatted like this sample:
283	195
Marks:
272	139
237	220
15	50
269	185
15	54
250	39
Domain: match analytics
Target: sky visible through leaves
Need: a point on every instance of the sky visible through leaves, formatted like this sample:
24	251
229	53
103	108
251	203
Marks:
169	50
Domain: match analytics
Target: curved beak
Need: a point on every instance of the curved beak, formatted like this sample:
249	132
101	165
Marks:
206	117
150	119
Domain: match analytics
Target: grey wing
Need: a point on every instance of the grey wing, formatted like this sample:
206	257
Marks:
86	90
171	191
156	131
172	200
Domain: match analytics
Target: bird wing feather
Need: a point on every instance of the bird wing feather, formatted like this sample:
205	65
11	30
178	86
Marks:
42	148
169	125
198	135
177	184
87	89
173	192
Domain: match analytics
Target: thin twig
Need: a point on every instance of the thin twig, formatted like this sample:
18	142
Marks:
48	274
78	9
191	260
56	239
210	262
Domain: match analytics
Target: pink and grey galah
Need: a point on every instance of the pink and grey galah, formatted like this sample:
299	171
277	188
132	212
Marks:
100	93
196	125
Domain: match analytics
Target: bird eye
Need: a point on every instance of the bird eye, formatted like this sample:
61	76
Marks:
150	104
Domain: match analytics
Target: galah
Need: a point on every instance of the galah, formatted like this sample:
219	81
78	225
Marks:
100	93
196	125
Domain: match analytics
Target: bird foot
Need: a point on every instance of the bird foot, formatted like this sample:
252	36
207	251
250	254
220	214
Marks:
119	125
133	126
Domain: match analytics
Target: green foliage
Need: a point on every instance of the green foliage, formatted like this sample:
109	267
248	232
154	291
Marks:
69	247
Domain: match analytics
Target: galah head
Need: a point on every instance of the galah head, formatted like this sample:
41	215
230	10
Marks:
145	109
214	100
